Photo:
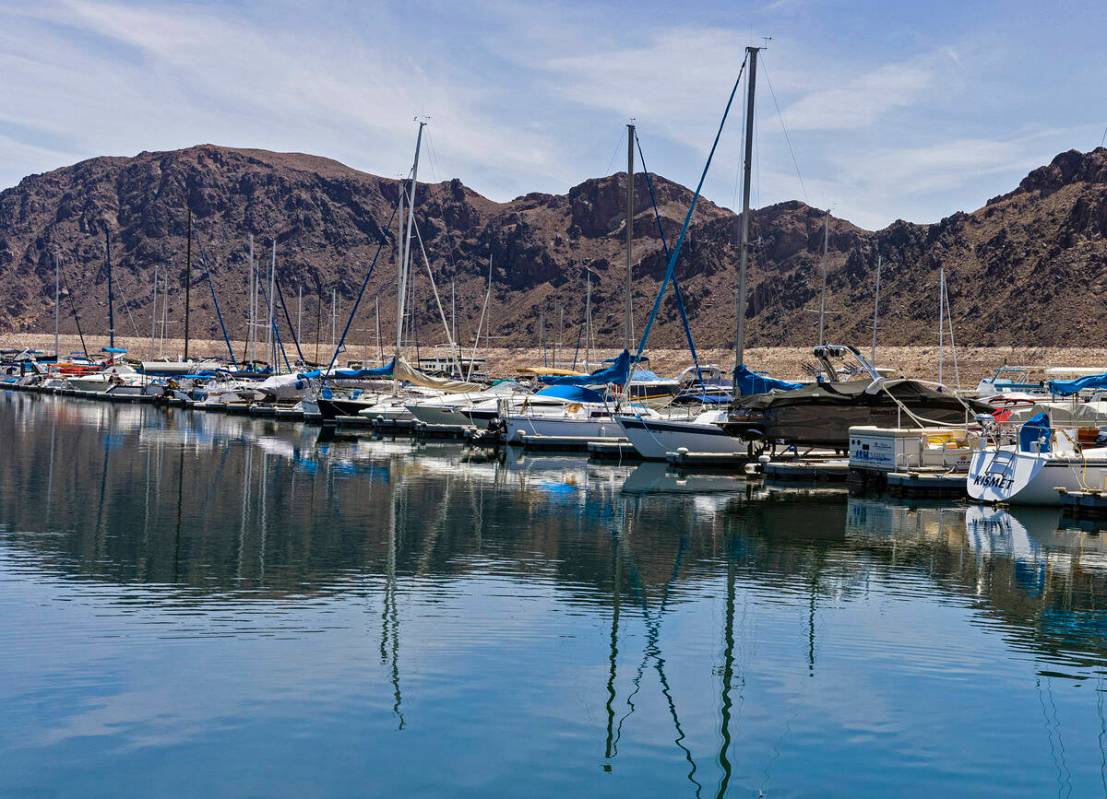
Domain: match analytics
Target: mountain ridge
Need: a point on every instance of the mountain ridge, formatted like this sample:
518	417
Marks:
1048	234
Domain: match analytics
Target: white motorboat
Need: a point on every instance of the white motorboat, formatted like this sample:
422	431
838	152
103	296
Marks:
449	410
655	437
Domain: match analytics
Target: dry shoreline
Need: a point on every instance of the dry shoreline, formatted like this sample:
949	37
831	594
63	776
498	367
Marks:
784	362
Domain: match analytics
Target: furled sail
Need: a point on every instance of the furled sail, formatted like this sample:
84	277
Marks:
615	374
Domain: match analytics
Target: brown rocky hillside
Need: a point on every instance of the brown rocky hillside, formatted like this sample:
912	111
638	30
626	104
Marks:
1030	267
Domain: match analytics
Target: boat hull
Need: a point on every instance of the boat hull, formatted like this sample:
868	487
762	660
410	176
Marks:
1028	478
560	426
654	439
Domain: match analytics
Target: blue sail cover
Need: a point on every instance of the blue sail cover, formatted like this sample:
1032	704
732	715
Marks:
616	373
573	393
1078	385
1036	428
750	382
114	350
380	371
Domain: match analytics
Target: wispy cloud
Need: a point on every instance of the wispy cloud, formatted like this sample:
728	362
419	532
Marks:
916	123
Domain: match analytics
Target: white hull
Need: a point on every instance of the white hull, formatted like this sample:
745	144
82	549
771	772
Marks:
654	439
1028	478
438	415
561	426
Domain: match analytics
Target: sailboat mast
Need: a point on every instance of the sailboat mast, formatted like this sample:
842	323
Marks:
188	283
822	292
405	262
588	320
154	313
876	308
111	291
273	304
628	318
941	319
743	253
57	308
251	306
300	313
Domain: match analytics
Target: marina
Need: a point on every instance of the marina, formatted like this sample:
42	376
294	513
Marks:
378	603
553	400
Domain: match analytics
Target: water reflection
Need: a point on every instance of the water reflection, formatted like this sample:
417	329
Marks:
601	629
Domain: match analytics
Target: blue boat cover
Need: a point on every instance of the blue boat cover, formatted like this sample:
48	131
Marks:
1036	428
574	393
114	350
616	374
1079	384
380	371
751	382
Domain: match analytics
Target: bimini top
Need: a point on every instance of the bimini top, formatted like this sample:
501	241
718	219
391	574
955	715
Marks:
572	393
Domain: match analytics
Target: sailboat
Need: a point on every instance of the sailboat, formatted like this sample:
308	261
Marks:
1026	460
655	438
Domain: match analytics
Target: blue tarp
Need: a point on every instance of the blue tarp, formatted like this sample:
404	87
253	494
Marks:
381	371
1036	428
1079	384
616	374
751	382
574	393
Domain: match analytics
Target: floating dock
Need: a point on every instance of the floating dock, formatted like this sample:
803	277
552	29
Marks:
816	470
618	450
1083	503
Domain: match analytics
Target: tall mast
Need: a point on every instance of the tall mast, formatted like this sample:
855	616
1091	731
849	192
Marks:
400	272
941	319
188	283
334	315
251	306
405	262
588	320
154	313
300	313
743	253
111	290
273	306
57	307
628	318
876	308
822	292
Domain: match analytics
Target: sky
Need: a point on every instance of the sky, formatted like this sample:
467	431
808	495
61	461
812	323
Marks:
876	110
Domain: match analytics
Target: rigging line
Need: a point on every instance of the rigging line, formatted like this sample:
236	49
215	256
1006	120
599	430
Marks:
127	308
671	268
677	293
437	300
787	138
368	274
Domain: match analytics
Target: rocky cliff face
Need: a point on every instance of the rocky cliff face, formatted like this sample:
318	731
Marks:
1030	267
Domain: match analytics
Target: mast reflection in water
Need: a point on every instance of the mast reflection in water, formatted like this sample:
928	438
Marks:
208	605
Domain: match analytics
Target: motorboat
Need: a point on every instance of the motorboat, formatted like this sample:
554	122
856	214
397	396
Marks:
654	437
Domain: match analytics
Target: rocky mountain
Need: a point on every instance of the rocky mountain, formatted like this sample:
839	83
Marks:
1030	267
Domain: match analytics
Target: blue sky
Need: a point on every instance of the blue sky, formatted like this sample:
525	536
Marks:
894	110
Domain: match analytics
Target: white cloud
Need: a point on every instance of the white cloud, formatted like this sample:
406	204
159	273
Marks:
862	100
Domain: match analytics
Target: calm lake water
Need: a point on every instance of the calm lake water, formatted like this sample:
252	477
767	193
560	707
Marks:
203	605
